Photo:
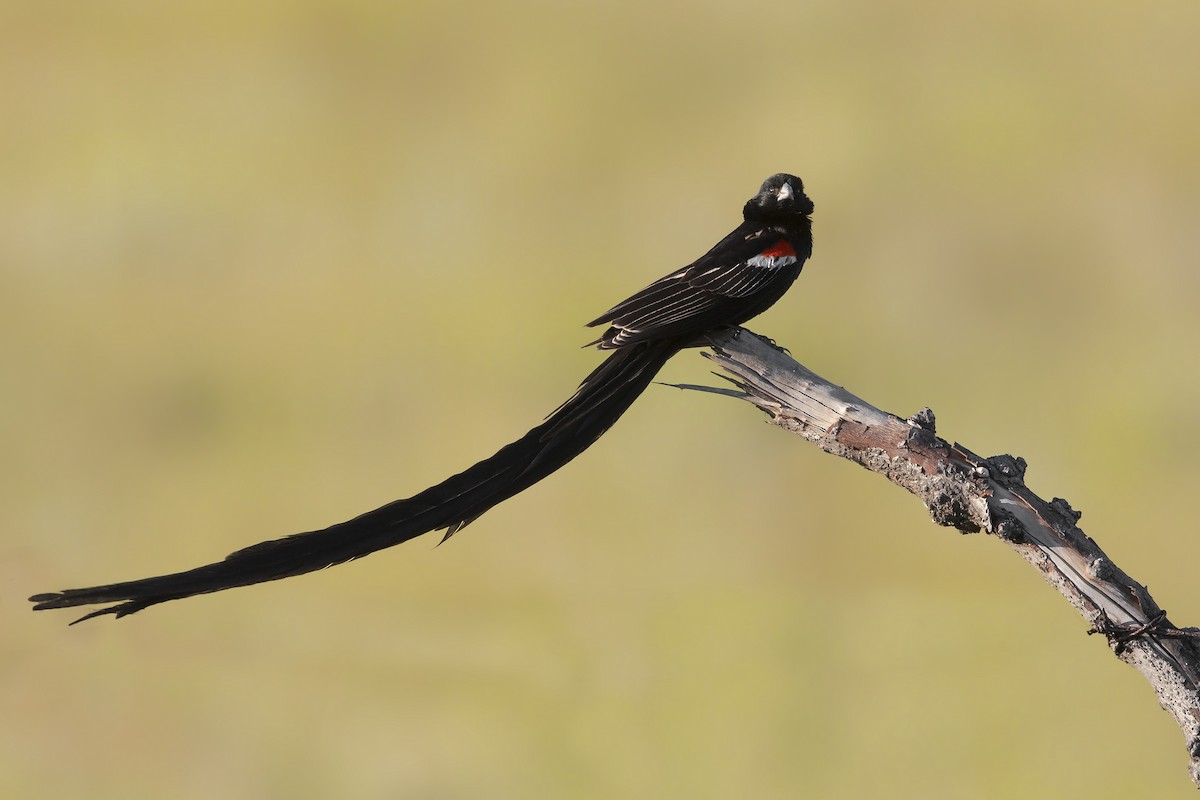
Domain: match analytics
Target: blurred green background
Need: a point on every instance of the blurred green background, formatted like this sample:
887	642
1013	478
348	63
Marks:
264	267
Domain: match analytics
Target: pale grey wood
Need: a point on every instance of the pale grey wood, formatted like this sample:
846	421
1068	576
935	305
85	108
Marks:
970	493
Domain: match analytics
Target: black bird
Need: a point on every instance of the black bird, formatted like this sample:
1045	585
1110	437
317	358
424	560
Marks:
739	278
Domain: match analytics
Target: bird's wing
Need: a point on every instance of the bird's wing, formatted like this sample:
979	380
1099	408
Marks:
706	292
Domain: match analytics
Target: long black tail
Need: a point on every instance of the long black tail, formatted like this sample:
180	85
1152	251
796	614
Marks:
599	402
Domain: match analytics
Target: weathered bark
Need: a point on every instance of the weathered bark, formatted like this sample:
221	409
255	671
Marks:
970	493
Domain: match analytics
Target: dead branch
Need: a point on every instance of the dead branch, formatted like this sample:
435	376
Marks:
970	493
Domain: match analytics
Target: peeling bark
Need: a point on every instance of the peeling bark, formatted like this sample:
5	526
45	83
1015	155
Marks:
969	493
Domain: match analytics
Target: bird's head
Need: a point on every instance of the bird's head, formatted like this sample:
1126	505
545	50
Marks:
780	198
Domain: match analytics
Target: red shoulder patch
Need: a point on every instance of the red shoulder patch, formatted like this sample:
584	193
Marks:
783	248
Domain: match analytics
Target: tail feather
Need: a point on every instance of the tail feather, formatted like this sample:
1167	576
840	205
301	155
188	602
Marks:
450	505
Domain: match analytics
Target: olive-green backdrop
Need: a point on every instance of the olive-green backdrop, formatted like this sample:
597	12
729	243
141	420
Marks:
266	266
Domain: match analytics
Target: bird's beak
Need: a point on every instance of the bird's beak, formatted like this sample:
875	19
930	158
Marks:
785	193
